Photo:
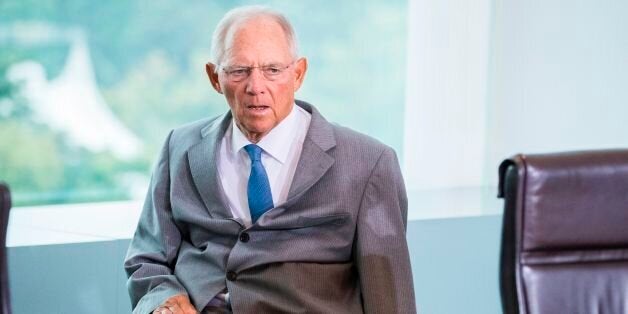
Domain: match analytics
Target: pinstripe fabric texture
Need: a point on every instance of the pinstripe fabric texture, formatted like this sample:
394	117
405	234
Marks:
337	245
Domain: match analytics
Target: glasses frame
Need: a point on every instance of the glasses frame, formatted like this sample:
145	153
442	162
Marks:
229	69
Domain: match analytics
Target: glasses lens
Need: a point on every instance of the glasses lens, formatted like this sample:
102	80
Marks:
270	72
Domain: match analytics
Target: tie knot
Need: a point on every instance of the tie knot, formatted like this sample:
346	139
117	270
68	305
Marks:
254	151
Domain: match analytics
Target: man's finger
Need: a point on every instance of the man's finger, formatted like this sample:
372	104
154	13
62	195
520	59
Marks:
162	310
178	304
188	308
176	309
183	305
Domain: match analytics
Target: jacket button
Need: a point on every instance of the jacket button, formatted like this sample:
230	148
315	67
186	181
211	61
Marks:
244	237
231	276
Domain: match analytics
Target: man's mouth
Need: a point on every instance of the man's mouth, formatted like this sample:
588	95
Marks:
257	107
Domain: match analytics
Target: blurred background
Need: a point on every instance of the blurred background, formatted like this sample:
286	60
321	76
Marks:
90	89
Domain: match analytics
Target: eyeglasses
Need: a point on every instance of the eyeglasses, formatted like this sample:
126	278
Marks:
271	72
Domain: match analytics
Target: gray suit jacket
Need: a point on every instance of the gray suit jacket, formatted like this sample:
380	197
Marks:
337	245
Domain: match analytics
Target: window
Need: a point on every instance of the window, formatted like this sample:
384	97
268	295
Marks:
89	90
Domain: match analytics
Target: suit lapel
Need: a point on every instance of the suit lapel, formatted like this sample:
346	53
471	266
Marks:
202	159
314	161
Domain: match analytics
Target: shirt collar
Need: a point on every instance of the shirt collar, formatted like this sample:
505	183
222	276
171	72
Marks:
276	143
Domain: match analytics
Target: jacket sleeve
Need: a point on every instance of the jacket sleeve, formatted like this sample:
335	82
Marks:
153	250
381	251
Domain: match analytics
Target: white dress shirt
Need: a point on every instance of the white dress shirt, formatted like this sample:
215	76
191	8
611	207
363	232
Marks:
281	149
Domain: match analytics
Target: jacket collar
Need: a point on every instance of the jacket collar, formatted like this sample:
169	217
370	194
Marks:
313	163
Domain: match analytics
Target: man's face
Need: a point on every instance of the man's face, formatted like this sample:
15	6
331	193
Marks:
258	103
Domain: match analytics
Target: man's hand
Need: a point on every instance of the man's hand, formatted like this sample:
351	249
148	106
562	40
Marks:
178	304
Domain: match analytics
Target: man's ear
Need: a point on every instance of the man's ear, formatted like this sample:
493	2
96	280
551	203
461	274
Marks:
212	73
300	67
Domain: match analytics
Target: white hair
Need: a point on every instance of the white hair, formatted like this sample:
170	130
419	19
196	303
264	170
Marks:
236	17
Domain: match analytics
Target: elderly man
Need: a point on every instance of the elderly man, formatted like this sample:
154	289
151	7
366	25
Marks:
269	208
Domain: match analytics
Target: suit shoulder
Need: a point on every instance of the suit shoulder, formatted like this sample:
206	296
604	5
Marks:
186	135
193	130
195	127
346	137
360	154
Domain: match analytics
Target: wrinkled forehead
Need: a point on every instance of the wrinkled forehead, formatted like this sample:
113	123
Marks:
258	40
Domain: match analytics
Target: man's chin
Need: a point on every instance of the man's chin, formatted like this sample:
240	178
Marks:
256	129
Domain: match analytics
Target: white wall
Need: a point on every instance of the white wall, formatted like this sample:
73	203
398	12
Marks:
559	78
446	92
488	79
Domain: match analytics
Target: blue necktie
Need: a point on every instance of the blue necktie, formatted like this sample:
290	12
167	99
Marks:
258	189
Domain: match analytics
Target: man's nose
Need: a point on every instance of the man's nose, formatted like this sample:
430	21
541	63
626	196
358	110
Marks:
256	82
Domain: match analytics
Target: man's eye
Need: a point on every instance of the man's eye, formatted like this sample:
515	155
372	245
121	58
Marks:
241	71
272	70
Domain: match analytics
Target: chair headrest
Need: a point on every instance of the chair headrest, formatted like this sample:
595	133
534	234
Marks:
574	199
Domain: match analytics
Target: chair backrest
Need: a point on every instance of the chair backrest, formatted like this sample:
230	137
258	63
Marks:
5	207
565	233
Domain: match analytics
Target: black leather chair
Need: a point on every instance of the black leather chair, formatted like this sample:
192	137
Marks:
5	206
565	233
